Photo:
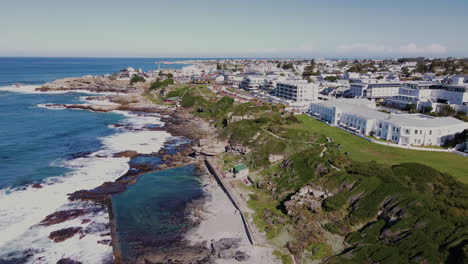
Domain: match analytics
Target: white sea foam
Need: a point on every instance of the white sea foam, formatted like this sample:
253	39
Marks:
140	121
102	101
52	107
22	210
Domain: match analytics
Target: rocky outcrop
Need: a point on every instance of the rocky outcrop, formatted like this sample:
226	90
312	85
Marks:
126	154
237	149
309	196
68	261
62	216
226	248
96	108
64	234
102	84
210	147
274	158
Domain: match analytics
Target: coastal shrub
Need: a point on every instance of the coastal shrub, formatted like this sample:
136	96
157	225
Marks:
298	170
160	84
220	108
319	250
136	79
284	258
335	202
266	217
196	101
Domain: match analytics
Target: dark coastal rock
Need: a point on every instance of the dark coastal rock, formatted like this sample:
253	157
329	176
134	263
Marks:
178	253
105	241
99	194
68	261
64	234
225	248
37	186
62	216
241	256
94	228
126	154
153	128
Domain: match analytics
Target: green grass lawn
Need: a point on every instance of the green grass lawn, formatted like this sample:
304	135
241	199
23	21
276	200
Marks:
363	150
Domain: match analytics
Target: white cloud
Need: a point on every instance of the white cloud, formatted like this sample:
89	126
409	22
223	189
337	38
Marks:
408	48
413	48
364	47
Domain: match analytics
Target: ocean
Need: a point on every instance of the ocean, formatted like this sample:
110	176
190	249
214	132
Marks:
46	154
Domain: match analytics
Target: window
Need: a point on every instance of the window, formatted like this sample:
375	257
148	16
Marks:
430	132
416	132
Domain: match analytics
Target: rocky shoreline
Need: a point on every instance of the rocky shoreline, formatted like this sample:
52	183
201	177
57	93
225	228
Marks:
178	123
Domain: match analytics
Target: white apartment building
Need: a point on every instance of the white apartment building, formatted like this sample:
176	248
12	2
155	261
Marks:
374	90
252	83
433	94
297	91
404	129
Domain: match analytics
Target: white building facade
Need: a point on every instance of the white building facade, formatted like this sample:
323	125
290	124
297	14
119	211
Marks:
404	129
297	91
374	90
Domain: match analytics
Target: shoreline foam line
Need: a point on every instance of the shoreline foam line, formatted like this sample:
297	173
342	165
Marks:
22	210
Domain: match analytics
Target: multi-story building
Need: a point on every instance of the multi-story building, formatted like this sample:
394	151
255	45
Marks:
374	90
404	129
252	83
433	94
297	91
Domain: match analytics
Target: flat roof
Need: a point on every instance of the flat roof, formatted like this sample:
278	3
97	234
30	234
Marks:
361	108
420	120
358	107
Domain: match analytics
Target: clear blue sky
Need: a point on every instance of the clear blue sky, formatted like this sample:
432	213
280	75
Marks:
240	28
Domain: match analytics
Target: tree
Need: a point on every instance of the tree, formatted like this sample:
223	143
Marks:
447	110
427	109
331	78
411	108
218	66
159	84
136	79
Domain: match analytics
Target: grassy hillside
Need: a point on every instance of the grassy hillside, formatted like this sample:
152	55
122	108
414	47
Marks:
363	150
379	204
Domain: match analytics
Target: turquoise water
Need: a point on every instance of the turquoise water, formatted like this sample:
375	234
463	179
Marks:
150	214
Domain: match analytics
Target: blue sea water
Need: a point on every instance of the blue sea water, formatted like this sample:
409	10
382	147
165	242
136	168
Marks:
42	70
32	139
35	142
